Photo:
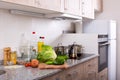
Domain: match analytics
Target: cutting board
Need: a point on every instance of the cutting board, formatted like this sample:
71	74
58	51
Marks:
45	66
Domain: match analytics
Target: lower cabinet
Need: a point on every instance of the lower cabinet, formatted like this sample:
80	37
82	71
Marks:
91	69
75	73
103	75
84	71
57	76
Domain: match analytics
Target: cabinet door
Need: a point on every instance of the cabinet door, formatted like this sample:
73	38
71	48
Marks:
88	8
49	4
91	69
74	73
22	2
72	7
57	76
103	75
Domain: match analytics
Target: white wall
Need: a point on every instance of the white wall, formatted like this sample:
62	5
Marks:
111	11
12	26
89	42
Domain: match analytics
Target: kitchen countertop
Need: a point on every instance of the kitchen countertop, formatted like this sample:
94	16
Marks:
19	72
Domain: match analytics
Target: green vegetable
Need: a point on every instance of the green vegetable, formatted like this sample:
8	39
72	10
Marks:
46	48
64	56
59	60
47	54
49	62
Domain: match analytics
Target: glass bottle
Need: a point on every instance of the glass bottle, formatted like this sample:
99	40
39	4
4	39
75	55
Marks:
24	48
33	41
13	57
40	43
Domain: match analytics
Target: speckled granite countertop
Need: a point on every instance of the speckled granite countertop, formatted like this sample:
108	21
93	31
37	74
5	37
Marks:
18	72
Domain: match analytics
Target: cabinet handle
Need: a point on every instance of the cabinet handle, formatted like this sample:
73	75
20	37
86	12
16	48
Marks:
89	65
83	3
102	77
37	2
65	4
79	5
83	13
57	79
91	72
68	77
75	73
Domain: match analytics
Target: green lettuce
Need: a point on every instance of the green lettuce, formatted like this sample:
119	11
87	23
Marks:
47	54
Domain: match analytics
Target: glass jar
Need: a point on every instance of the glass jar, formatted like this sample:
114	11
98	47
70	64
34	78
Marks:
13	57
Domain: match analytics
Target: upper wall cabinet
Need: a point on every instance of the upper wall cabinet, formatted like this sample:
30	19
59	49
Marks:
88	8
40	6
54	5
98	5
83	8
23	2
72	7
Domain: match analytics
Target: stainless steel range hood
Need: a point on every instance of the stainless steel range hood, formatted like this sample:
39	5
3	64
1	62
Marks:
63	16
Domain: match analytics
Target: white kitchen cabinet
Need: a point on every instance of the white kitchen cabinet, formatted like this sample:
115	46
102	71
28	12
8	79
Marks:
23	2
98	5
54	5
38	6
72	7
88	8
83	8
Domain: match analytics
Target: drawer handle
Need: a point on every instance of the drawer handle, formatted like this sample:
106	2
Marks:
89	65
57	79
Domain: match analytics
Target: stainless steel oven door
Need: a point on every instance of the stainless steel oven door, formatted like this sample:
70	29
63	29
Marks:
103	55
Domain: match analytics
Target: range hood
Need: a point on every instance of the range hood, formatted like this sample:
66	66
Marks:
58	16
63	16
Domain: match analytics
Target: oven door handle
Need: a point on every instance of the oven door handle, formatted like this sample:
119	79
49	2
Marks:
104	44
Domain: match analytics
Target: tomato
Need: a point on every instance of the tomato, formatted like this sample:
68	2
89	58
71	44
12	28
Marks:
34	63
28	64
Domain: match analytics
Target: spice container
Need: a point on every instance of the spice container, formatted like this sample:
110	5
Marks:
13	57
7	55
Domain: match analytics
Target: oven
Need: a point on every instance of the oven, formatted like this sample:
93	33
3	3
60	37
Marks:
103	52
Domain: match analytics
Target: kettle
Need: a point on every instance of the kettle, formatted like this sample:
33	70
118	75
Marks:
74	49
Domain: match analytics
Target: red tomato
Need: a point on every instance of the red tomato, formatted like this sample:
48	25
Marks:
34	63
28	64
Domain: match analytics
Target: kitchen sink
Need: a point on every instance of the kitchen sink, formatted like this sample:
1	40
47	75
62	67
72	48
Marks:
2	72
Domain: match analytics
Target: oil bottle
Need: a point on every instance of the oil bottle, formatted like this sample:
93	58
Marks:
40	43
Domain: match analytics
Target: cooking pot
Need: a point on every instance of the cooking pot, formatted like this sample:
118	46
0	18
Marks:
60	49
74	49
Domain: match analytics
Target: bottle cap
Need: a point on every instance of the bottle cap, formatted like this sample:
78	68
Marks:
42	37
33	32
